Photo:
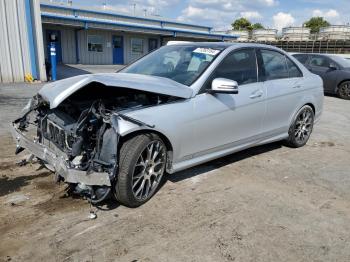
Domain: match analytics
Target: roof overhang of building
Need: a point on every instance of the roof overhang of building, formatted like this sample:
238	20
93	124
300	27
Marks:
73	19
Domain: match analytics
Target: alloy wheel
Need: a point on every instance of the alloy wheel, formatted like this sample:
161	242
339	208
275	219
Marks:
148	170
344	90
303	125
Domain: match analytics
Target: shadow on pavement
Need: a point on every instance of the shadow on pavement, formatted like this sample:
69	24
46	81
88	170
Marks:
66	71
111	203
220	162
8	185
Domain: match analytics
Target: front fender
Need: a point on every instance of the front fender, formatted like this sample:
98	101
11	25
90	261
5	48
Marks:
125	128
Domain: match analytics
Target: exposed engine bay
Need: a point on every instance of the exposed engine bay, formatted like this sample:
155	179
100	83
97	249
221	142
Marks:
83	129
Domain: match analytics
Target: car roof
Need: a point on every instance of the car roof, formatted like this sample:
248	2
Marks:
320	54
223	44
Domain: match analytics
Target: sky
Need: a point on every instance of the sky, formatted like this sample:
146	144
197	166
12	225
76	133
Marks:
219	14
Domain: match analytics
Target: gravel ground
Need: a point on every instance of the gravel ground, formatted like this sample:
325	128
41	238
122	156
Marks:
269	203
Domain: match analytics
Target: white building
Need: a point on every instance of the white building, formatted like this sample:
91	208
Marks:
241	35
21	45
264	34
335	32
296	33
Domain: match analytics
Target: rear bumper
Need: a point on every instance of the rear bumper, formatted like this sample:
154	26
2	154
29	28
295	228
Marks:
57	160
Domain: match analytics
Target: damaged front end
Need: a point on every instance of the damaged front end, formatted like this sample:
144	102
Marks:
78	139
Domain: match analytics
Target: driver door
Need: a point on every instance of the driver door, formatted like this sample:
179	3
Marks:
223	121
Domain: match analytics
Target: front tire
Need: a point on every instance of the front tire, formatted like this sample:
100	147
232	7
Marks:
344	90
301	129
141	167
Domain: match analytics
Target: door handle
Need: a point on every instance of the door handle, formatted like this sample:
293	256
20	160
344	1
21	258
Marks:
297	86
256	94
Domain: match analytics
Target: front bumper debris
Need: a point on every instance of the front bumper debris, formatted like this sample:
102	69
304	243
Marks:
57	160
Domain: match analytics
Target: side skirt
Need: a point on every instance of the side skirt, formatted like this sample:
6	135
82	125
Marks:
227	150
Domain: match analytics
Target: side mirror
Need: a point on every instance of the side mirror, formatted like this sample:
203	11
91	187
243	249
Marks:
223	85
332	66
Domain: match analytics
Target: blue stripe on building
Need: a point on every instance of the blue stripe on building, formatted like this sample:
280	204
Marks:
33	62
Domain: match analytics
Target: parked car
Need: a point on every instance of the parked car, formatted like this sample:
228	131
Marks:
333	69
120	132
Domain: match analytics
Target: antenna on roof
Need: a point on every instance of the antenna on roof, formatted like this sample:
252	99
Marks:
104	4
134	9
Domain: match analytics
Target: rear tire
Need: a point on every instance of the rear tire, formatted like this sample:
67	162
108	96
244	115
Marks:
301	128
141	167
344	90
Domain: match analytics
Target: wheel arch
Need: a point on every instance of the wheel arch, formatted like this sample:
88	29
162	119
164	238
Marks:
298	109
292	140
165	139
311	105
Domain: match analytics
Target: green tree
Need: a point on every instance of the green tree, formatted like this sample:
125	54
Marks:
242	24
257	26
315	23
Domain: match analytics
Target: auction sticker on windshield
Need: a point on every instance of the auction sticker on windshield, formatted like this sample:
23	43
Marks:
206	51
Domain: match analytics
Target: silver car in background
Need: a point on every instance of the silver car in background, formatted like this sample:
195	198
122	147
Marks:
177	107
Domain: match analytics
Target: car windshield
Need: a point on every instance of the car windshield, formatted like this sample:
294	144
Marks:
342	61
183	64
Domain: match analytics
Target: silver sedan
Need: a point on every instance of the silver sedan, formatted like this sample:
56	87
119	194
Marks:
177	107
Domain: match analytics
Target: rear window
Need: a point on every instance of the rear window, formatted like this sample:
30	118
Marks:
275	65
342	61
294	71
301	58
320	61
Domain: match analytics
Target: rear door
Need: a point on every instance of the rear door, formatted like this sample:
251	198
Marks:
283	82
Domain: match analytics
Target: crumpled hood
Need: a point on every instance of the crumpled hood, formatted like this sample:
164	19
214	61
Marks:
56	92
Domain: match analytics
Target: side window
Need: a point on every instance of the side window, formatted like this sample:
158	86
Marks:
301	58
239	66
293	69
274	64
320	61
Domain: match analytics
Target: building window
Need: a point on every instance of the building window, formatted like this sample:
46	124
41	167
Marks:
95	43
136	46
152	44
